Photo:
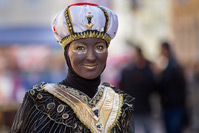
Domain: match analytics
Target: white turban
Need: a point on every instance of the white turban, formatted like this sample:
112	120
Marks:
84	20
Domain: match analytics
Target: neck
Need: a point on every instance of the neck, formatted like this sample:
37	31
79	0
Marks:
89	87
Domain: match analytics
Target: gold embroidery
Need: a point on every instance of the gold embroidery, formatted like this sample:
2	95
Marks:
60	108
109	108
50	105
32	92
75	125
89	25
69	21
19	125
39	96
86	34
65	116
107	18
118	113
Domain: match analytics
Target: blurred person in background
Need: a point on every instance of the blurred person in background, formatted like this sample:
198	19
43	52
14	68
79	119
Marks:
137	79
196	74
79	103
172	90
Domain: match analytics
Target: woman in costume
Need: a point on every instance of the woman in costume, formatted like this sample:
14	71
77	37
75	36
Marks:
78	104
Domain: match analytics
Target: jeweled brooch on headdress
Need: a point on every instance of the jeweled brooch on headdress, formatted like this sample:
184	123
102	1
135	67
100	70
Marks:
89	17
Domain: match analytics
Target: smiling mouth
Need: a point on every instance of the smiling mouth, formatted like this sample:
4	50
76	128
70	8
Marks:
90	66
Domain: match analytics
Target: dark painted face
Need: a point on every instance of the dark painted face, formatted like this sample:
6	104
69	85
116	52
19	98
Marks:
88	57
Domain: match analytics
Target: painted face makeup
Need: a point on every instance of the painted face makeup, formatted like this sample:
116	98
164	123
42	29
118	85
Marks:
81	48
88	57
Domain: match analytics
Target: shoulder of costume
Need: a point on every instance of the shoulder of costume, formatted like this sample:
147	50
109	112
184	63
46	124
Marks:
50	105
116	89
128	99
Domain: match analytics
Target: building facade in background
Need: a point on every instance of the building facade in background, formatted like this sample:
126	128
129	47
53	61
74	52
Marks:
185	22
186	31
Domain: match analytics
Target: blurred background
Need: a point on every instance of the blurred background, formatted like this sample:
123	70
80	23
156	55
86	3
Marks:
29	53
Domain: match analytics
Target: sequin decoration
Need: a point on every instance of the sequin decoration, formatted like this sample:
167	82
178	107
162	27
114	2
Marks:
68	21
50	105
75	125
60	108
65	116
32	92
39	96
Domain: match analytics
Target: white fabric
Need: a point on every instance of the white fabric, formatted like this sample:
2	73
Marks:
78	17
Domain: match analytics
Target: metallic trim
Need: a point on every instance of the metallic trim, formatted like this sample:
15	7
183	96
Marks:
60	108
39	96
86	34
69	21
107	18
50	105
119	112
109	106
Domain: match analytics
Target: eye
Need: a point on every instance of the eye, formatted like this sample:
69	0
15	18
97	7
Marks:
80	48
100	48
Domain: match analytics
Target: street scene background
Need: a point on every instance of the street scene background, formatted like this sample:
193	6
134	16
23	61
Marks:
29	53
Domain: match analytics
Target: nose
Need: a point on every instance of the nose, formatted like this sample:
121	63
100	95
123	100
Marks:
91	54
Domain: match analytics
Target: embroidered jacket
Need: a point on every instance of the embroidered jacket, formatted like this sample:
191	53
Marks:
55	108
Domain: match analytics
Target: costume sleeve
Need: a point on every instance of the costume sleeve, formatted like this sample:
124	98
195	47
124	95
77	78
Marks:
127	117
41	112
21	114
126	120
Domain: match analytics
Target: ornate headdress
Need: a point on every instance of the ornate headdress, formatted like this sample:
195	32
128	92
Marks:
84	20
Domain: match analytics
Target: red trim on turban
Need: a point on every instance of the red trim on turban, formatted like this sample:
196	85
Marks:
83	3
